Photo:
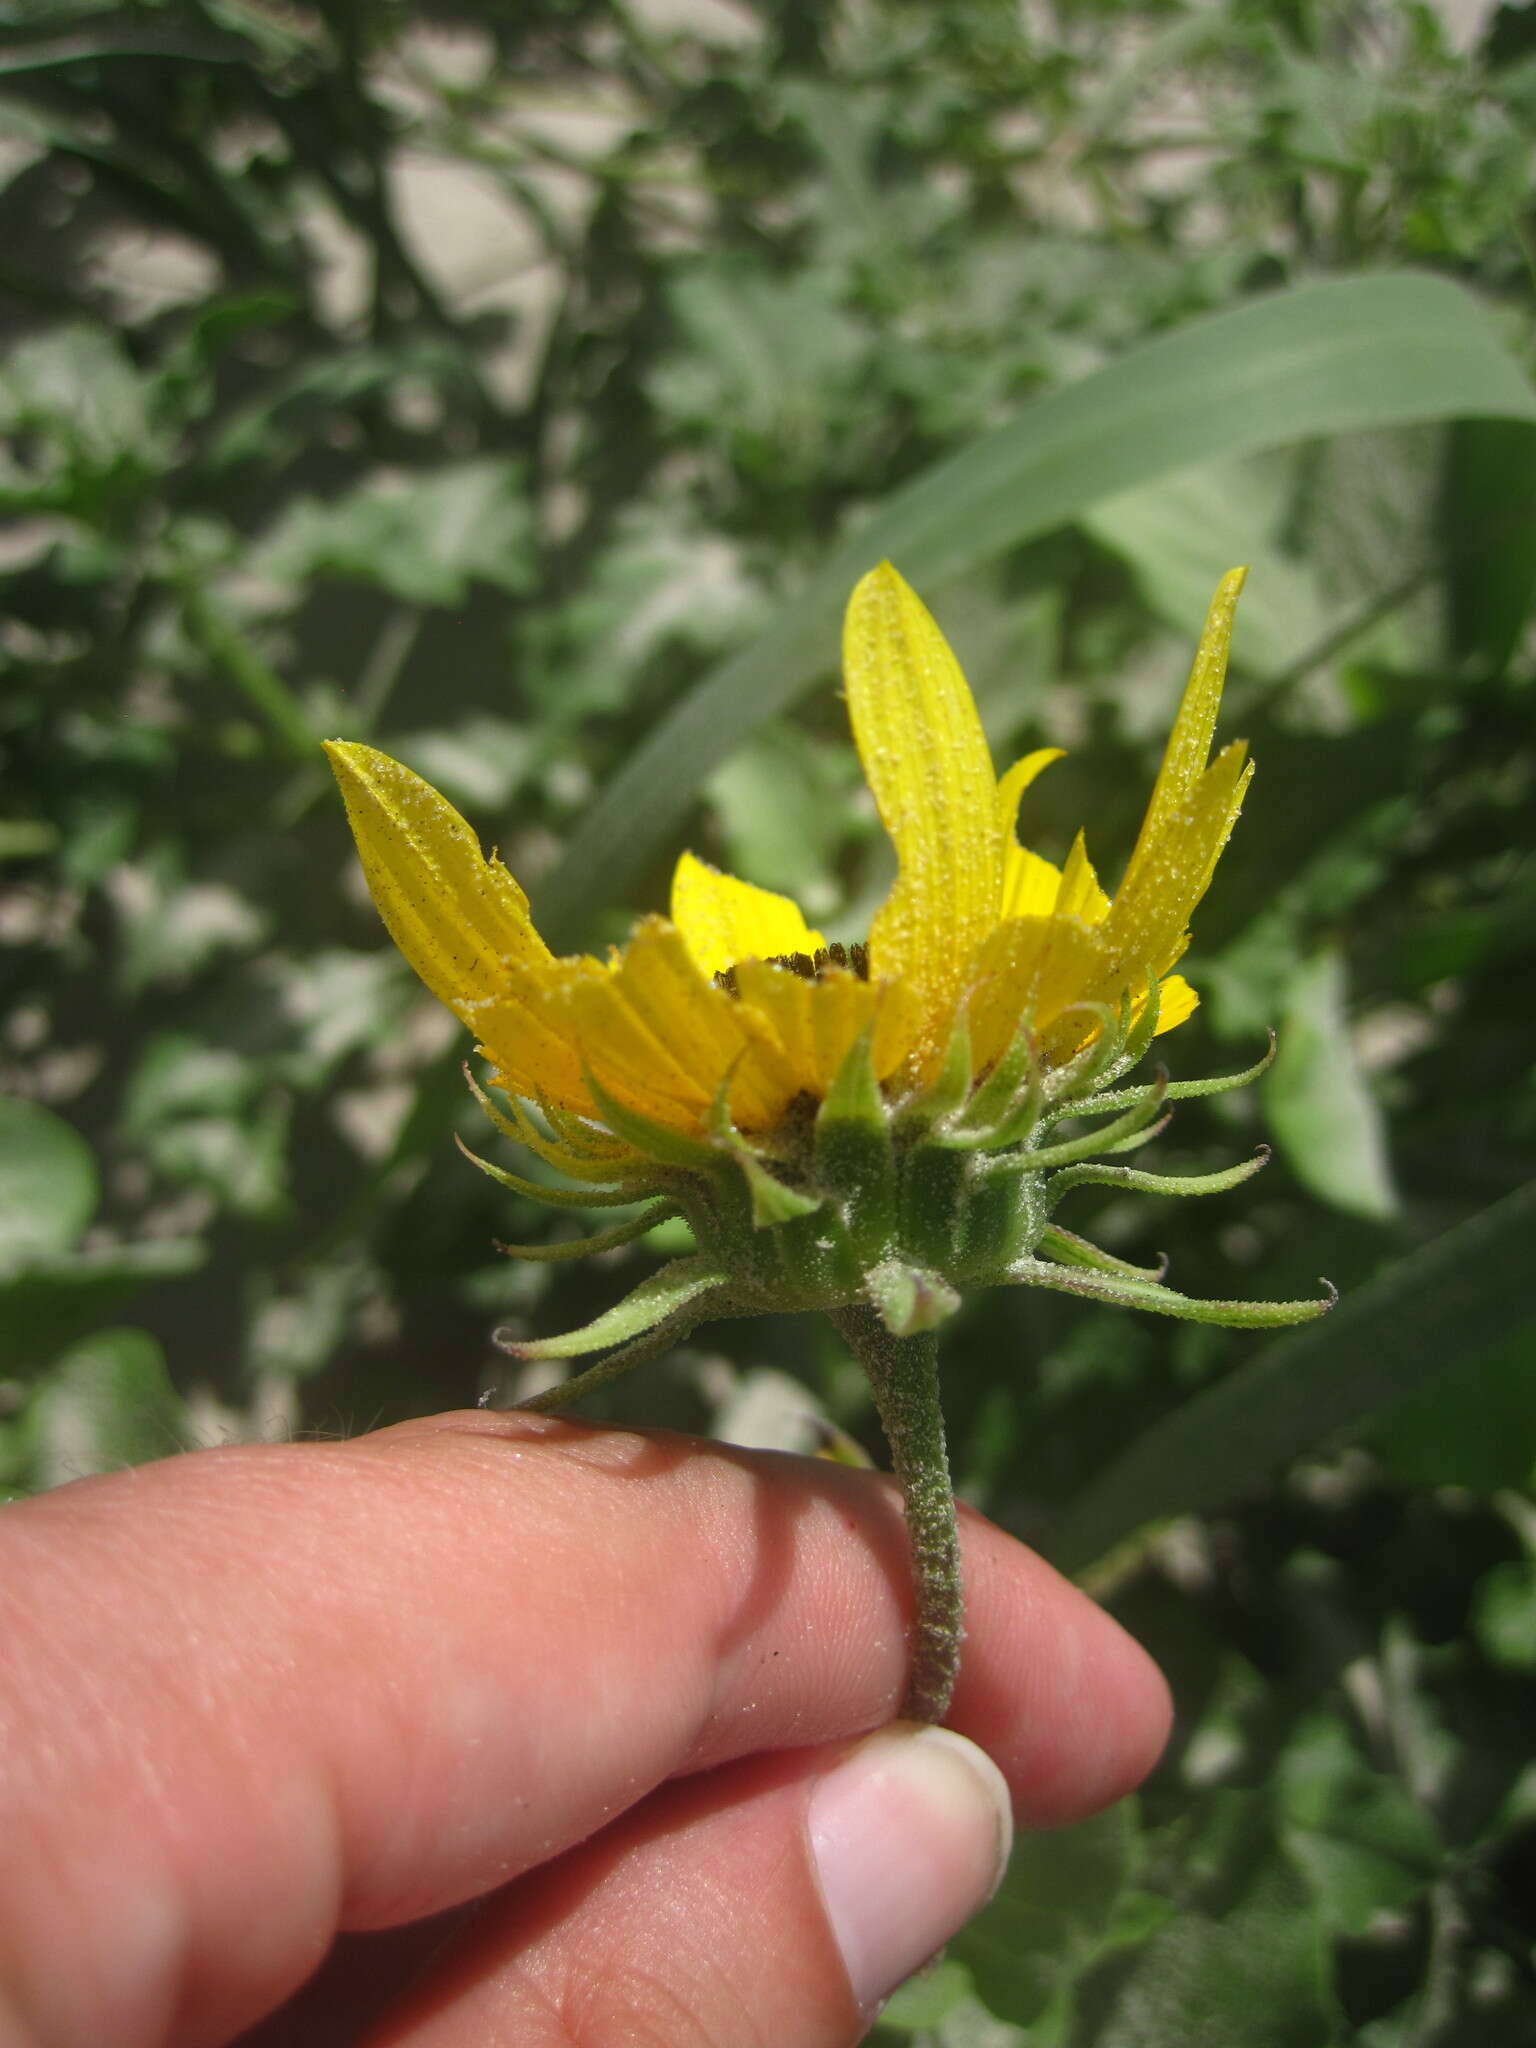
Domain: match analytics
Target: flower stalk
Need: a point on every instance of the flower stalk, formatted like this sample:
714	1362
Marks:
904	1379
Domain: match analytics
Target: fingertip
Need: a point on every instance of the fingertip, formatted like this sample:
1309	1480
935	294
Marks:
1070	1705
1135	1704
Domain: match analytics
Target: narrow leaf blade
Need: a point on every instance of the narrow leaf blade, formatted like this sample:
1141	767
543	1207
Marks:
1446	1302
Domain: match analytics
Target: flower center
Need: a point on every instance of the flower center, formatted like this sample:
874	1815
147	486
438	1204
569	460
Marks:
809	966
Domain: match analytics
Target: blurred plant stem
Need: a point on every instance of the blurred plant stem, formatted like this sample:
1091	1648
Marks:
263	688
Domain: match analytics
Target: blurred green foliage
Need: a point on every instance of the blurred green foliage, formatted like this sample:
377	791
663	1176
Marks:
513	386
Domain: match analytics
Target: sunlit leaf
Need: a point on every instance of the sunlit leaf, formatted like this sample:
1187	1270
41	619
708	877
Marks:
424	538
48	1183
1181	534
1254	1978
1361	1842
108	1402
1323	1114
1054	1914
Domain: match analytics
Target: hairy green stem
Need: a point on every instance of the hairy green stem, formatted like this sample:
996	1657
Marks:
224	642
904	1374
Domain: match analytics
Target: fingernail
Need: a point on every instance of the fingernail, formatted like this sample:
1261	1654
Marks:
910	1833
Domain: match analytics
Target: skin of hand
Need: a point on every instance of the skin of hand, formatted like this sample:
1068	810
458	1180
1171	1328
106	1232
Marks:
498	1728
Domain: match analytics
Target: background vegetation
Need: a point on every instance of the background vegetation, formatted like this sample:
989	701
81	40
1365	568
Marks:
521	387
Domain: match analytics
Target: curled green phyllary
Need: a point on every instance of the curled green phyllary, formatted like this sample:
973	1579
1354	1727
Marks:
867	1130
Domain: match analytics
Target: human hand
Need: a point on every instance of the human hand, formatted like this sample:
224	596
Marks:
259	1704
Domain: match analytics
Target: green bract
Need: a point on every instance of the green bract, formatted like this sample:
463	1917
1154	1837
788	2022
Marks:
898	1204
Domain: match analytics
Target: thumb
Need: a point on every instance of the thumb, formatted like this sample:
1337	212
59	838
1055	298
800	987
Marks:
910	1836
783	1899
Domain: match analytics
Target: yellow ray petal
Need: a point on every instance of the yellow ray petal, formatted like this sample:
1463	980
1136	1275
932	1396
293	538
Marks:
523	1032
1013	785
1153	904
460	920
1027	972
1176	1001
455	915
1031	884
783	1002
1080	895
1189	744
816	1022
723	920
660	1037
925	758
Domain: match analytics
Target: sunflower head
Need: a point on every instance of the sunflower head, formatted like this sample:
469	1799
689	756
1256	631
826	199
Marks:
874	1124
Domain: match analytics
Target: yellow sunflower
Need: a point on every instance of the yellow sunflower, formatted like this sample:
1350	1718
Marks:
866	1130
735	993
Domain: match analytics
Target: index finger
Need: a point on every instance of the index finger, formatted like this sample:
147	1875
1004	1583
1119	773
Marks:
264	1694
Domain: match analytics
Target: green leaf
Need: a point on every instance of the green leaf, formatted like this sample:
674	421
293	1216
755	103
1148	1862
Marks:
1054	1913
760	361
426	539
202	1118
179	1076
108	1402
288	412
74	396
1424	1315
1181	534
172	928
1490	510
297	1329
336	1003
48	1185
929	1998
1254	1979
1504	1615
1475	1428
56	1299
1324	1117
1323	358
664	584
1362	1844
783	806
